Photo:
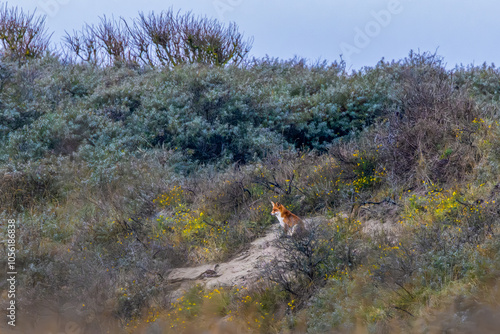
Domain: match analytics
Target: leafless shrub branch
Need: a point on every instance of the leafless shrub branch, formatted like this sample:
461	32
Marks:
167	39
22	35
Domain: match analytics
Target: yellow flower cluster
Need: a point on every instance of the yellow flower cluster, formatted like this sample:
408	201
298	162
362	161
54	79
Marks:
180	218
364	182
437	204
173	197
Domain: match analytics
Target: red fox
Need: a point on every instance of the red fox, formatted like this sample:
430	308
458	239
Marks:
287	219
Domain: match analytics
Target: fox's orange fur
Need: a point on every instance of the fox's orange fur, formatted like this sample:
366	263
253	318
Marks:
287	220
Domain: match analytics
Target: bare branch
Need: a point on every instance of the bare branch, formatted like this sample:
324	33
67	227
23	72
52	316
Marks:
22	35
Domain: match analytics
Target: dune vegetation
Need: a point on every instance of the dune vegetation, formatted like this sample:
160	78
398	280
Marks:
121	166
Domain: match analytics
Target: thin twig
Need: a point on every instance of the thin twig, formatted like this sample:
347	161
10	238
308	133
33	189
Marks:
401	309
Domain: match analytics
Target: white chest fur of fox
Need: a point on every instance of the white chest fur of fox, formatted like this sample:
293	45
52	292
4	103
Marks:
281	220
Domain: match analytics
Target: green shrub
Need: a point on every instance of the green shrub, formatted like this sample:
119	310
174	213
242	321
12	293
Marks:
325	250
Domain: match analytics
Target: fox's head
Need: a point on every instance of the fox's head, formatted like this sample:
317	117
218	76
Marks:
277	208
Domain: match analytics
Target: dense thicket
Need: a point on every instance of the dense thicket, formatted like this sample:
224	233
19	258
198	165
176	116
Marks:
211	114
231	114
91	154
119	171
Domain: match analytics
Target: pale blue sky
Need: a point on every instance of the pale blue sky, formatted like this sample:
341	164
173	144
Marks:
363	31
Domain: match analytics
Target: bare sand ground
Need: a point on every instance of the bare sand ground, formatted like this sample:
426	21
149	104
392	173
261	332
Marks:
242	270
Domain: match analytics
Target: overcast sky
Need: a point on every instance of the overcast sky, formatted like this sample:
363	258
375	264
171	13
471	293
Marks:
363	31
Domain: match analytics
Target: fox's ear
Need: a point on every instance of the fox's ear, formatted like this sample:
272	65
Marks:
273	203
